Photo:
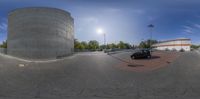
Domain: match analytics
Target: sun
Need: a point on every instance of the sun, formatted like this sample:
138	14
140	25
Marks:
99	30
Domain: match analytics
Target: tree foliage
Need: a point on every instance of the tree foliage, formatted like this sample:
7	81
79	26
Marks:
94	45
4	44
84	44
121	45
111	46
147	43
195	46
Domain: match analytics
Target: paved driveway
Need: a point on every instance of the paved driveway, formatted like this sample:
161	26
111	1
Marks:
95	76
158	60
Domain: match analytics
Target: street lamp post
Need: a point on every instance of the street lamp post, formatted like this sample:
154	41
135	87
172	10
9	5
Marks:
100	31
181	44
151	26
105	45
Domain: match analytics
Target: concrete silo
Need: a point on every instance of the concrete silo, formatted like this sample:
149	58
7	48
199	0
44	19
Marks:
40	33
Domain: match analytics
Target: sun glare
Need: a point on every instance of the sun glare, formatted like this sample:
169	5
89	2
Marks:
99	31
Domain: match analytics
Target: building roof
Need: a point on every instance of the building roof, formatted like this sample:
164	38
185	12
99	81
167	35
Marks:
178	39
162	43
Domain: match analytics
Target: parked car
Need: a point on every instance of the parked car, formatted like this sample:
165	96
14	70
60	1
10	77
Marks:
141	54
182	50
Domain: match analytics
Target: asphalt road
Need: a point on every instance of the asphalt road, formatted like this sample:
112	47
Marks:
94	76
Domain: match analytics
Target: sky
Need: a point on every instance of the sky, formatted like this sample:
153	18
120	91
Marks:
121	20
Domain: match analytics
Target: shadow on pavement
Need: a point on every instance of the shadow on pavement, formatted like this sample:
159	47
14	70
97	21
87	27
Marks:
134	65
130	64
152	57
122	60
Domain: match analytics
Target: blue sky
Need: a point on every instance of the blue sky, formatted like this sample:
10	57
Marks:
124	20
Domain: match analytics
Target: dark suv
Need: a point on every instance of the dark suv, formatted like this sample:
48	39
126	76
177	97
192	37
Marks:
144	53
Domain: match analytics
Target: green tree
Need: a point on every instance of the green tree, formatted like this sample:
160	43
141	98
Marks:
84	44
81	47
4	44
127	45
121	45
76	44
143	45
93	45
147	43
102	46
111	46
195	46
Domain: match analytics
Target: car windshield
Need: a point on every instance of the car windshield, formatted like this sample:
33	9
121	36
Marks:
99	49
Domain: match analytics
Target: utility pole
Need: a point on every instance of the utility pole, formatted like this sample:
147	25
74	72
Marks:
105	45
151	26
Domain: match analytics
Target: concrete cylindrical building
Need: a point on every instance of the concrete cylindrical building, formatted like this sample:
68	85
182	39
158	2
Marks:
40	33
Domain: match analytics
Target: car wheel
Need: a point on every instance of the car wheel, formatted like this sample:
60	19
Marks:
148	56
132	57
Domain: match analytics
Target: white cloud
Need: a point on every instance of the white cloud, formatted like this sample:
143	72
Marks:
138	11
91	20
151	18
197	26
124	10
3	26
188	29
112	10
194	28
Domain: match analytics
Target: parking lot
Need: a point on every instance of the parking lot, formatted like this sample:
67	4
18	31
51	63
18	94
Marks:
158	60
96	75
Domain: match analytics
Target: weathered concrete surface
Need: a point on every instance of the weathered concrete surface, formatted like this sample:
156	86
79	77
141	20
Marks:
94	76
3	50
40	33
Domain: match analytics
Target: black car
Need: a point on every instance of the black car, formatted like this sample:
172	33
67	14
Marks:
141	54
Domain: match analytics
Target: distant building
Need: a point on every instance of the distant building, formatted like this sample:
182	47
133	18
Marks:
176	44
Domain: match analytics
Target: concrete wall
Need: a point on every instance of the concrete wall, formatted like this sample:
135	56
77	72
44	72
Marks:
177	44
3	50
177	48
40	33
